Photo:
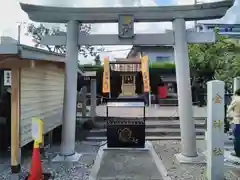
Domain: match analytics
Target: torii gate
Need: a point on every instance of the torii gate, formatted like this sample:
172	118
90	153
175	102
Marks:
126	16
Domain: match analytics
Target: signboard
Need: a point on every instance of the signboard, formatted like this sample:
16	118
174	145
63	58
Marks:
217	99
7	78
106	76
215	130
126	133
126	26
37	130
145	73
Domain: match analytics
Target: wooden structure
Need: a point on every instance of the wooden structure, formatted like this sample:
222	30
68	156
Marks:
37	90
37	86
128	69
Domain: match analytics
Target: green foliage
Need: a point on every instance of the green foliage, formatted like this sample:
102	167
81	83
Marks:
167	66
37	31
87	67
219	60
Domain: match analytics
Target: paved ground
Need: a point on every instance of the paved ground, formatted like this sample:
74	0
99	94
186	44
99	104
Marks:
154	111
126	165
123	163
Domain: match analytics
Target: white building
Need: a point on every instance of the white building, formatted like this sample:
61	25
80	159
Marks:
154	53
230	30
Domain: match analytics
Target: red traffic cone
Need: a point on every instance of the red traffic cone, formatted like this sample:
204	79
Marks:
36	172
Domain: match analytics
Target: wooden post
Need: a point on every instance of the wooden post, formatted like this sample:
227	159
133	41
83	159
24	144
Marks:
93	98
84	101
15	122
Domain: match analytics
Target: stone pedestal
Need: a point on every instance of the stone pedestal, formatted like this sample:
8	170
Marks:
71	158
215	130
128	163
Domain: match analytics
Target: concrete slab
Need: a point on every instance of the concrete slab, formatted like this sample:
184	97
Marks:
128	163
199	159
73	158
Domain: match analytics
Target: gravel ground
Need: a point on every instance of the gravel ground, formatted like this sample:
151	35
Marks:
81	170
61	171
166	150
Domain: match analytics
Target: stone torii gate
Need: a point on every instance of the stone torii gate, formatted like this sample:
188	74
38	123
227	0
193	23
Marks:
126	16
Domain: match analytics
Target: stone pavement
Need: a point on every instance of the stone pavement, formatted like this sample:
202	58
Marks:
153	111
126	164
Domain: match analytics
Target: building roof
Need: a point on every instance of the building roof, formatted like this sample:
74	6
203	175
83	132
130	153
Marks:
229	30
219	25
9	47
125	60
137	49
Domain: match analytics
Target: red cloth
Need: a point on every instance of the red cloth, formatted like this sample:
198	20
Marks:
162	92
36	172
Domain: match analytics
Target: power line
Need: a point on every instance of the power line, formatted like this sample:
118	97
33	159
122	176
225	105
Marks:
108	51
116	50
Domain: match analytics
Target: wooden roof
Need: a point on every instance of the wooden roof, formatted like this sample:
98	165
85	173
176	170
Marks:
18	55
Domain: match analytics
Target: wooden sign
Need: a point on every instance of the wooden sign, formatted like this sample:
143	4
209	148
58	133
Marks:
106	76
7	78
145	73
218	99
37	130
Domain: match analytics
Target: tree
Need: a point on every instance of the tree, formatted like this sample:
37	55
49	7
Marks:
97	60
37	31
214	61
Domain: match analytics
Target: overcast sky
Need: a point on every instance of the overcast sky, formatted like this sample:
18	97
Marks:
11	14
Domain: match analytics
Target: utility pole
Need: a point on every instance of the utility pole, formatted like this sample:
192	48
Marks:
19	34
195	22
19	31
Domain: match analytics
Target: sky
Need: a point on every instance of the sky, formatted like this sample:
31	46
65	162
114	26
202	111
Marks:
11	15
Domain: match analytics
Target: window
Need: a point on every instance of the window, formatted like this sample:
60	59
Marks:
162	59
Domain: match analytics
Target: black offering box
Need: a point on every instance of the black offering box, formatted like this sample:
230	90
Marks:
124	132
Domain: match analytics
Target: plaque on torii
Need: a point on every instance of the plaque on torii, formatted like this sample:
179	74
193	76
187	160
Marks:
126	26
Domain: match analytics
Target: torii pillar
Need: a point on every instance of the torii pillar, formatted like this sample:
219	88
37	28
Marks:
67	152
188	133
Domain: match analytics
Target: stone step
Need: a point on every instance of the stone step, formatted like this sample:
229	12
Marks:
172	117
171	102
168	101
150	132
150	138
160	123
